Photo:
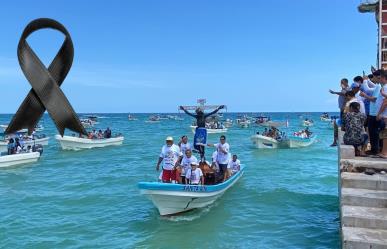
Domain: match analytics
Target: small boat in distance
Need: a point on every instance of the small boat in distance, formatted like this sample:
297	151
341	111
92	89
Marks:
87	123
325	117
132	118
78	143
38	127
243	121
172	198
302	138
153	119
298	142
270	139
307	123
210	130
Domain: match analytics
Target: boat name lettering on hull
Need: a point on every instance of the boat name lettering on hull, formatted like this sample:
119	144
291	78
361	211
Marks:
195	188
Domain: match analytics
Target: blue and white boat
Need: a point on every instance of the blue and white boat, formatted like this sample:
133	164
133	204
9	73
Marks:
297	141
172	198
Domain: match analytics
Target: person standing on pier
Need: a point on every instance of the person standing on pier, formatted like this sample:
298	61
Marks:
201	126
341	102
376	100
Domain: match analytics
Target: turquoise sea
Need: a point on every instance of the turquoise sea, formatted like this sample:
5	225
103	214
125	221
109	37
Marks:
89	199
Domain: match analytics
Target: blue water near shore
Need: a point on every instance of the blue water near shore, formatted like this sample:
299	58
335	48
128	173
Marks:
70	199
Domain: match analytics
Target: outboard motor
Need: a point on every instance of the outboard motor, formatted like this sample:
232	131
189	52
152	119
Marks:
38	148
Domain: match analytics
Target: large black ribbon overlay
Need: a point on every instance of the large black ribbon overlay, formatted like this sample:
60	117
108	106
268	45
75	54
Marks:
45	82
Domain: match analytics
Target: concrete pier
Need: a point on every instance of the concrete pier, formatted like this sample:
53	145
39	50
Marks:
363	200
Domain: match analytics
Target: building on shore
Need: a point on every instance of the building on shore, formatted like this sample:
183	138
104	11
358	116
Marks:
380	10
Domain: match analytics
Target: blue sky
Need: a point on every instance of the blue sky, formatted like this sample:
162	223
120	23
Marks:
151	56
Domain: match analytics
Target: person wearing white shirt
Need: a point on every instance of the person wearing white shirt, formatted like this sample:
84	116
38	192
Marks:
184	164
351	97
214	163
375	103
223	158
194	175
184	144
234	165
169	155
382	115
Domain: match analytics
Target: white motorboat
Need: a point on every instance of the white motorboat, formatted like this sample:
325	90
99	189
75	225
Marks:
228	123
77	143
210	131
244	124
325	117
307	123
39	127
153	119
87	123
177	198
264	142
17	159
31	142
132	118
244	121
297	141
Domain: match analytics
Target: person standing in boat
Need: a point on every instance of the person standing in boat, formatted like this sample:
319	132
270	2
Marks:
223	156
201	126
170	153
184	144
184	164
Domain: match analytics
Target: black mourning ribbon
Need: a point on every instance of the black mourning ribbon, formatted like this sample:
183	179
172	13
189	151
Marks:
45	82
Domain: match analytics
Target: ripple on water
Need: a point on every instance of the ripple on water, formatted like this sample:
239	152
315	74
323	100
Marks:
287	198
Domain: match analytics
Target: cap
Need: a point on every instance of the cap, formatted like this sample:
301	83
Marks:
355	85
169	138
194	163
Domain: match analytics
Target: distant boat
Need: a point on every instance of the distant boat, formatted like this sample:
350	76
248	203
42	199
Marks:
153	119
132	118
172	198
228	123
265	142
87	123
297	142
243	121
38	127
307	123
77	143
210	131
325	117
93	117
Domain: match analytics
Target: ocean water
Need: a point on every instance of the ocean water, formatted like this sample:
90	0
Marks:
70	199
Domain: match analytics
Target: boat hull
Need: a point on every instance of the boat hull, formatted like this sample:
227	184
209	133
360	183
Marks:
211	131
263	142
297	142
172	199
41	141
76	143
17	159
